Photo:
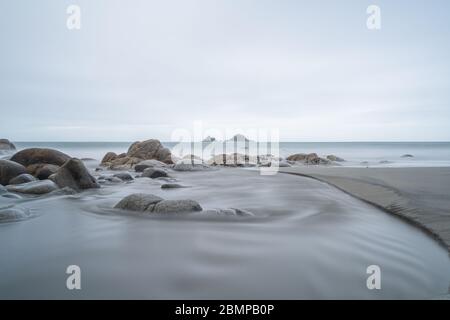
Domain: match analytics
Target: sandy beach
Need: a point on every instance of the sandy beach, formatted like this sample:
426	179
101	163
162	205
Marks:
420	195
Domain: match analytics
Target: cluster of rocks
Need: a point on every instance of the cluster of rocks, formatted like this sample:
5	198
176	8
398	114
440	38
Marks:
313	159
152	204
42	170
139	151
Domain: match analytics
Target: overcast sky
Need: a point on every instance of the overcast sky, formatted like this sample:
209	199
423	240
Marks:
140	69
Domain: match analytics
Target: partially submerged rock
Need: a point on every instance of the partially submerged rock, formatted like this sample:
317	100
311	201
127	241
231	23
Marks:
138	202
310	159
9	170
7	145
150	203
31	156
23	178
230	212
154	173
172	186
407	156
141	166
73	174
124	176
177	206
14	214
35	187
332	157
190	165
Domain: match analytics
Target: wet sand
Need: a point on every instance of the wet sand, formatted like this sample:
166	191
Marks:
421	195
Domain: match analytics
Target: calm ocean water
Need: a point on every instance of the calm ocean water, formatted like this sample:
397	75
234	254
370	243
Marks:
356	153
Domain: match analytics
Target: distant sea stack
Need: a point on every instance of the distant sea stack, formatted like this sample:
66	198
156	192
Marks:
7	145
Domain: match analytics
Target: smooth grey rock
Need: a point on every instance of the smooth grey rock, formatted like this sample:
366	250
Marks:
154	173
5	144
35	187
177	206
138	202
190	165
75	175
9	170
23	178
153	163
124	176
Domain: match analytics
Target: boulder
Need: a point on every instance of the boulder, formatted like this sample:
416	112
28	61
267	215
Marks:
297	157
110	156
190	165
124	176
154	173
35	187
141	166
73	174
9	170
138	202
150	149
332	157
122	163
7	145
31	156
177	206
22	178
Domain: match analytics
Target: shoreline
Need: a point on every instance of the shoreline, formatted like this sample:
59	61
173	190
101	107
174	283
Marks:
416	195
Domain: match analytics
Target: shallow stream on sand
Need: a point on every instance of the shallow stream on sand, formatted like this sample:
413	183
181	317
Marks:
305	240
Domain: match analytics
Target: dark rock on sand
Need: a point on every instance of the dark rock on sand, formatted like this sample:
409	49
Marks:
9	170
22	178
73	174
138	202
124	176
154	173
35	187
177	206
5	144
332	157
31	156
141	166
150	149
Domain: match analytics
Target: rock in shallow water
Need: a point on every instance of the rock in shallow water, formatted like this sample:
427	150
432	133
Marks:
172	186
5	144
14	214
190	165
150	149
154	173
177	206
138	202
23	178
35	187
124	176
9	170
75	175
141	166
